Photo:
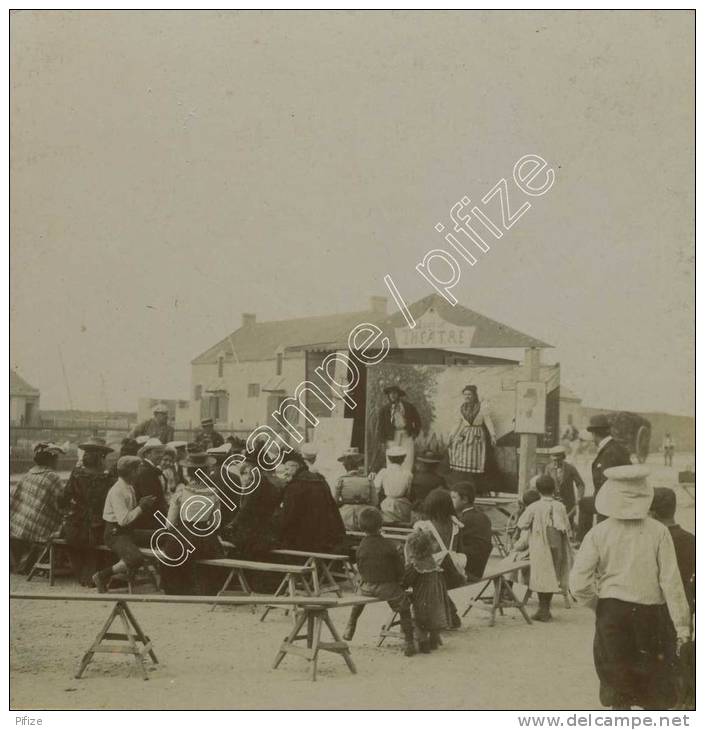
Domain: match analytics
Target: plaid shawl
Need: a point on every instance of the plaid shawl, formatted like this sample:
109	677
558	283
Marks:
34	510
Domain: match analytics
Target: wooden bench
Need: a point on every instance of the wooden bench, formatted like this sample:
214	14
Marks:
46	563
499	600
313	612
295	577
324	565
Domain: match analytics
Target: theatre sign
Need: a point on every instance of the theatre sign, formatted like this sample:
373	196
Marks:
433	331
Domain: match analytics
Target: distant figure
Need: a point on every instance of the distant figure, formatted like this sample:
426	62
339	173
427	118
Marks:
468	446
34	506
669	447
398	424
570	487
207	437
627	571
157	427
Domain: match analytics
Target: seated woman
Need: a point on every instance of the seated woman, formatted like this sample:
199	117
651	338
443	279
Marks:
194	511
393	485
253	529
120	513
310	518
353	491
84	498
35	512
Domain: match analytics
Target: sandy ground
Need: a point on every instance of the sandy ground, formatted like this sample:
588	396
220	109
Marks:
223	659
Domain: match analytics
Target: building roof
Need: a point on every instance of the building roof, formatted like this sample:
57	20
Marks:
19	386
261	340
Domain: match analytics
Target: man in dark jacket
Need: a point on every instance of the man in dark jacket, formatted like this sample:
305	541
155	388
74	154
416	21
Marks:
567	480
609	453
398	424
149	482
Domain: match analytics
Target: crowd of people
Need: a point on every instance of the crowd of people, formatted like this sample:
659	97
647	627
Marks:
633	564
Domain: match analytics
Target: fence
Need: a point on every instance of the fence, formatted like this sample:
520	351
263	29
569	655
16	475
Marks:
23	439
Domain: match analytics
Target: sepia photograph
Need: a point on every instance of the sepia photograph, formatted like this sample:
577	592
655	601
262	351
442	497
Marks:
352	363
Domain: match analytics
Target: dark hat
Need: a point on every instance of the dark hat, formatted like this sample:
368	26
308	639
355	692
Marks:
664	502
394	388
206	422
46	447
599	423
471	388
296	457
95	444
237	443
194	460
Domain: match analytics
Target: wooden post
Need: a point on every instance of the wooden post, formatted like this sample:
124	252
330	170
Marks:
528	441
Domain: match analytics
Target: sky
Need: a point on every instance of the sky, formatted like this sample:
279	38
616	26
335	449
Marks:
171	170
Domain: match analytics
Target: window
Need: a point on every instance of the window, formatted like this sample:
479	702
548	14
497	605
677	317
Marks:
280	363
221	359
253	390
197	392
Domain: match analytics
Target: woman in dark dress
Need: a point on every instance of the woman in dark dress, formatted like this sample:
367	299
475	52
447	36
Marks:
310	517
84	499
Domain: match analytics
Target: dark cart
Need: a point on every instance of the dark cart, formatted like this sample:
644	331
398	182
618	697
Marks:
633	431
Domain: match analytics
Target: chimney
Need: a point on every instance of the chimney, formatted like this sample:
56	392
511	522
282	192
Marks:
248	319
378	305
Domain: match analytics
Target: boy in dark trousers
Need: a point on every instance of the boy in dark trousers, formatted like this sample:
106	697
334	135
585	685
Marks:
477	530
381	567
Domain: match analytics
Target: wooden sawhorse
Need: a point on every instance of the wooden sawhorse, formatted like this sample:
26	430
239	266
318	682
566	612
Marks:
504	596
127	642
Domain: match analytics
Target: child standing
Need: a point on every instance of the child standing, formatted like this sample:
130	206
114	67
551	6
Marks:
382	568
429	598
546	523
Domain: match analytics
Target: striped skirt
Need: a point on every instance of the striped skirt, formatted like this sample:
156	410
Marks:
468	450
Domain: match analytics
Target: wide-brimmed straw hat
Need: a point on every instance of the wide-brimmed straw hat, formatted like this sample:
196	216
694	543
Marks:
95	444
626	494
